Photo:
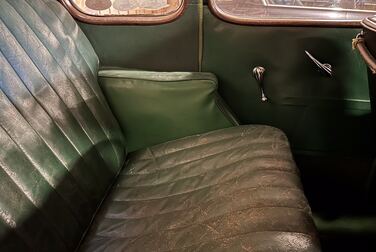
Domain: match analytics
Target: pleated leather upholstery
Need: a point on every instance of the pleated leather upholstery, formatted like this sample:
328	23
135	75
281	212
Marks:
61	147
235	189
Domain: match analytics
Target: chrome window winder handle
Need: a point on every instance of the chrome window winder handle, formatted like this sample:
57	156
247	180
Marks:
259	72
324	67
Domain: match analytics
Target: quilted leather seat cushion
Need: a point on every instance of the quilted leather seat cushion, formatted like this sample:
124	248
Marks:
234	189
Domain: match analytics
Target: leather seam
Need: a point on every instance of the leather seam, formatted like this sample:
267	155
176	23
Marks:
48	115
46	217
252	159
47	180
213	199
199	223
186	192
99	95
212	81
100	205
38	134
208	134
242	134
69	79
194	160
54	154
53	89
222	106
245	233
47	4
132	174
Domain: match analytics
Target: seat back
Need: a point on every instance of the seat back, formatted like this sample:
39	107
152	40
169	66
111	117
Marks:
61	147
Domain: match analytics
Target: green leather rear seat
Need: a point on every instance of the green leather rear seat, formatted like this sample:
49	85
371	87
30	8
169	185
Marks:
62	152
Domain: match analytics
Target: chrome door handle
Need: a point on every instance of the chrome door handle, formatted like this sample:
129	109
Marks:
324	67
259	72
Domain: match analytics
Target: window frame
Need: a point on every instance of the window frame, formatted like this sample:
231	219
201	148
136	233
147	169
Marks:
124	19
315	22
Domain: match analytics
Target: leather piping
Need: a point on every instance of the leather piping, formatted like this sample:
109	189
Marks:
214	217
53	88
200	33
212	199
108	191
219	102
215	142
241	234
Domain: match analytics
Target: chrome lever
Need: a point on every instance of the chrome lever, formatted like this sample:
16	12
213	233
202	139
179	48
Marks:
259	72
324	67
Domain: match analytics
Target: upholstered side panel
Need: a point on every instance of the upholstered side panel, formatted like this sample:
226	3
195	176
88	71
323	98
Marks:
60	144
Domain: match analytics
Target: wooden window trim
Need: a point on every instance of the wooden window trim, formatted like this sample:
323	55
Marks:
124	19
354	22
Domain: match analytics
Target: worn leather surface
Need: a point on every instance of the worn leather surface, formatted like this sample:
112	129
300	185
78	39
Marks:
235	189
61	151
155	107
61	147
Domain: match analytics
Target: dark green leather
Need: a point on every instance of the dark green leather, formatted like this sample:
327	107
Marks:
165	47
234	189
155	107
61	147
335	111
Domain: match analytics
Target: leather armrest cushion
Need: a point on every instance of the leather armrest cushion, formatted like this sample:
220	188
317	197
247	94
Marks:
155	107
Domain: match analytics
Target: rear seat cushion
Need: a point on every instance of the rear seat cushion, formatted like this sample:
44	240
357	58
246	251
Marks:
232	189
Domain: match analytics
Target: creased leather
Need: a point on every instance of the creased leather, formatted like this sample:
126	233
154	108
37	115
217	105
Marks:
228	190
61	149
60	145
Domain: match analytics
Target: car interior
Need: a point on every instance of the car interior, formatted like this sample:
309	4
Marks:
187	125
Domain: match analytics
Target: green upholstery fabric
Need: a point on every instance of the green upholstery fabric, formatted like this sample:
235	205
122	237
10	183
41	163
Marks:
235	189
61	147
155	107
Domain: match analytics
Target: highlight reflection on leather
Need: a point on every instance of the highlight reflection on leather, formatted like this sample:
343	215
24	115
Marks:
229	189
61	151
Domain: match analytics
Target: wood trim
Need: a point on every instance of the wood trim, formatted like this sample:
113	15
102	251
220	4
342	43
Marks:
359	43
313	22
123	20
369	23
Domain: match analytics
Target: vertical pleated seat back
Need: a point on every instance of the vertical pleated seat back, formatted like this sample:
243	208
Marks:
61	147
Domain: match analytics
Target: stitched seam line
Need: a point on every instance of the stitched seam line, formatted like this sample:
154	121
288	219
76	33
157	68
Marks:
165	168
234	136
180	228
182	193
250	159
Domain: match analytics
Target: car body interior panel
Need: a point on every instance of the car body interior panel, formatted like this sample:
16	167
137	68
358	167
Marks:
165	47
177	125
